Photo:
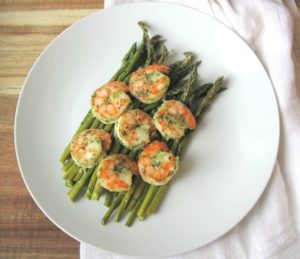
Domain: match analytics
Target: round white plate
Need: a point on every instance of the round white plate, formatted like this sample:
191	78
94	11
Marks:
226	167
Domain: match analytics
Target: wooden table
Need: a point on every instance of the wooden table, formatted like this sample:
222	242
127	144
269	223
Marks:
26	28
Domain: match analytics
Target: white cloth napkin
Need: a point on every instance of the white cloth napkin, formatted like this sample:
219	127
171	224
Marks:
270	229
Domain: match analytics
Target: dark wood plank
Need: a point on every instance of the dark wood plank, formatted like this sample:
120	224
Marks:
25	232
9	5
23	36
26	28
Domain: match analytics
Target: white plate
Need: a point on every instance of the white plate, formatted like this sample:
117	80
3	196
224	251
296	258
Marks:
226	167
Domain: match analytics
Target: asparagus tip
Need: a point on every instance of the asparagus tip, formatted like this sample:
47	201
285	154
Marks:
143	26
71	196
188	53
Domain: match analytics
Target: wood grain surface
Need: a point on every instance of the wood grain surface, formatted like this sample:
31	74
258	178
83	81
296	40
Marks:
26	28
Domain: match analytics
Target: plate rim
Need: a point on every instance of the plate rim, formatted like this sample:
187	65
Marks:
20	98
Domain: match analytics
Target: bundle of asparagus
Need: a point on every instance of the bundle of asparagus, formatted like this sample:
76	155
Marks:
142	199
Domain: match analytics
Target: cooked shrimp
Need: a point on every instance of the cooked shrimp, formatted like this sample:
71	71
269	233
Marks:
157	165
149	84
115	172
89	146
173	118
110	101
135	129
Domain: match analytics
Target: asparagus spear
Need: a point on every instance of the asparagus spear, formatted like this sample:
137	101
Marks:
91	184
108	127
148	43
112	207
133	61
125	150
132	154
180	74
136	196
98	191
116	147
189	85
79	174
177	89
151	106
85	124
147	201
136	207
174	145
125	61
130	53
211	94
67	165
73	193
163	55
108	198
125	201
95	124
202	108
158	44
71	170
178	65
157	199
72	174
101	125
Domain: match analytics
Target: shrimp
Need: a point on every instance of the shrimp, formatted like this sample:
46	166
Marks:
173	118
149	84
115	172
135	129
89	146
110	101
157	165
